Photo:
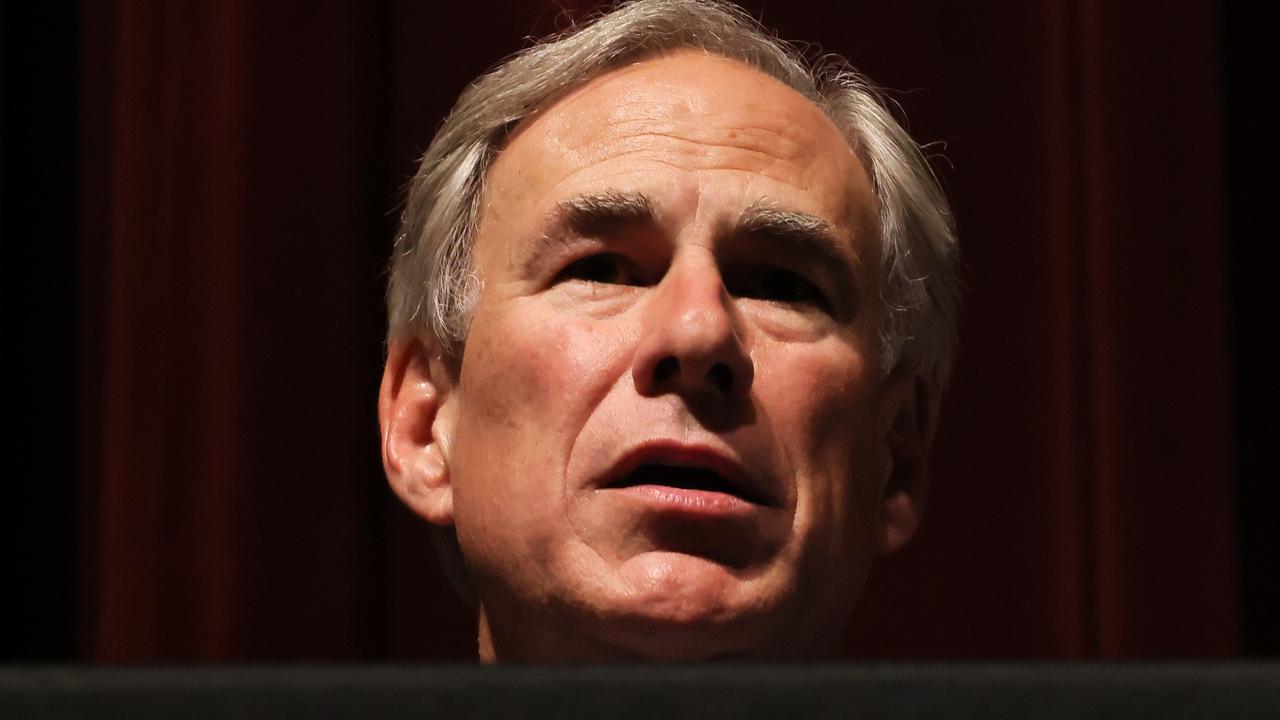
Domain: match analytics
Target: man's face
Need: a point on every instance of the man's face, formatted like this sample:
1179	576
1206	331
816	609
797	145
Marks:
667	433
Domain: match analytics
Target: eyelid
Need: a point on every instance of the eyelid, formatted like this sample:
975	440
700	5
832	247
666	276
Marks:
557	252
807	286
625	268
821	254
838	291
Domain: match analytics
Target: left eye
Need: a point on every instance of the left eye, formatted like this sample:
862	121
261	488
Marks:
782	286
604	268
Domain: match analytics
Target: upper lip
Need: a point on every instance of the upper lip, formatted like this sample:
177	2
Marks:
742	482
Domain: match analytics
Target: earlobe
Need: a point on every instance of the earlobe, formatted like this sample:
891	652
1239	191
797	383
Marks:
415	438
908	437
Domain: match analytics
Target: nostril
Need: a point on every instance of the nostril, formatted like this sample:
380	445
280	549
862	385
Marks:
667	368
721	376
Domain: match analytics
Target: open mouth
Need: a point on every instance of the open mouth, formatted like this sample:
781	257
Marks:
688	478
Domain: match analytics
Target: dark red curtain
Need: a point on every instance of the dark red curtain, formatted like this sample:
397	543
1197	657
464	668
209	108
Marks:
241	167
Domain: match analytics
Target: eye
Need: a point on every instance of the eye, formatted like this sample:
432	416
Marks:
780	285
603	268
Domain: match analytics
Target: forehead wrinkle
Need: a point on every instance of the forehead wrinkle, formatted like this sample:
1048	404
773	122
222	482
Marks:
762	165
701	133
617	100
713	148
714	129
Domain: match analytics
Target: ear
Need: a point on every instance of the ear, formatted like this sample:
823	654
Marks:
910	414
416	431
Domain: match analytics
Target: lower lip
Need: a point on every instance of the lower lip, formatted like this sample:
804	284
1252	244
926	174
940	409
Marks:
701	503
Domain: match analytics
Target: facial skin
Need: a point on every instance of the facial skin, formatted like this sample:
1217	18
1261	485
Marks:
679	265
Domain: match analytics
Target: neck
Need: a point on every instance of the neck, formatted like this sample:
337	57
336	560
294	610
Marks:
485	639
534	640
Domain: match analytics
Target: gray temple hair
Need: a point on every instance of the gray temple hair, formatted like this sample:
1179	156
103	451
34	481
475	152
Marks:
432	288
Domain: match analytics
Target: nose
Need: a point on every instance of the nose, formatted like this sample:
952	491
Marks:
690	336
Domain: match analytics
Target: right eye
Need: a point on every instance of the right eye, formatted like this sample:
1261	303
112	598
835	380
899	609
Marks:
604	268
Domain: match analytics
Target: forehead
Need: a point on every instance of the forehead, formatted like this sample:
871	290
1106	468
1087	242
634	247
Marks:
678	128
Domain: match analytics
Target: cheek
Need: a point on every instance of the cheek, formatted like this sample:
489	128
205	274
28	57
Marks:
530	378
820	394
506	377
821	404
510	380
533	361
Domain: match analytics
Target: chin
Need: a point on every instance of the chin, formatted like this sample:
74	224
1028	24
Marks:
672	606
744	639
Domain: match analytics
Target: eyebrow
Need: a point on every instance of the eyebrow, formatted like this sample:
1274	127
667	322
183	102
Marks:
598	213
588	215
805	233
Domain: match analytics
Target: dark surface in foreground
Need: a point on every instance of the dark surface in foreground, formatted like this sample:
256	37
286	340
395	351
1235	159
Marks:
1031	690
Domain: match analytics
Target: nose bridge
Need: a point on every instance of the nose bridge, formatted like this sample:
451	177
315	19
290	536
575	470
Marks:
691	337
692	296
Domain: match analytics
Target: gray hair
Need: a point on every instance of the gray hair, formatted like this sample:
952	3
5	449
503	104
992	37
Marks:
432	288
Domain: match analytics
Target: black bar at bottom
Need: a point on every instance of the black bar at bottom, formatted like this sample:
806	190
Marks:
885	692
